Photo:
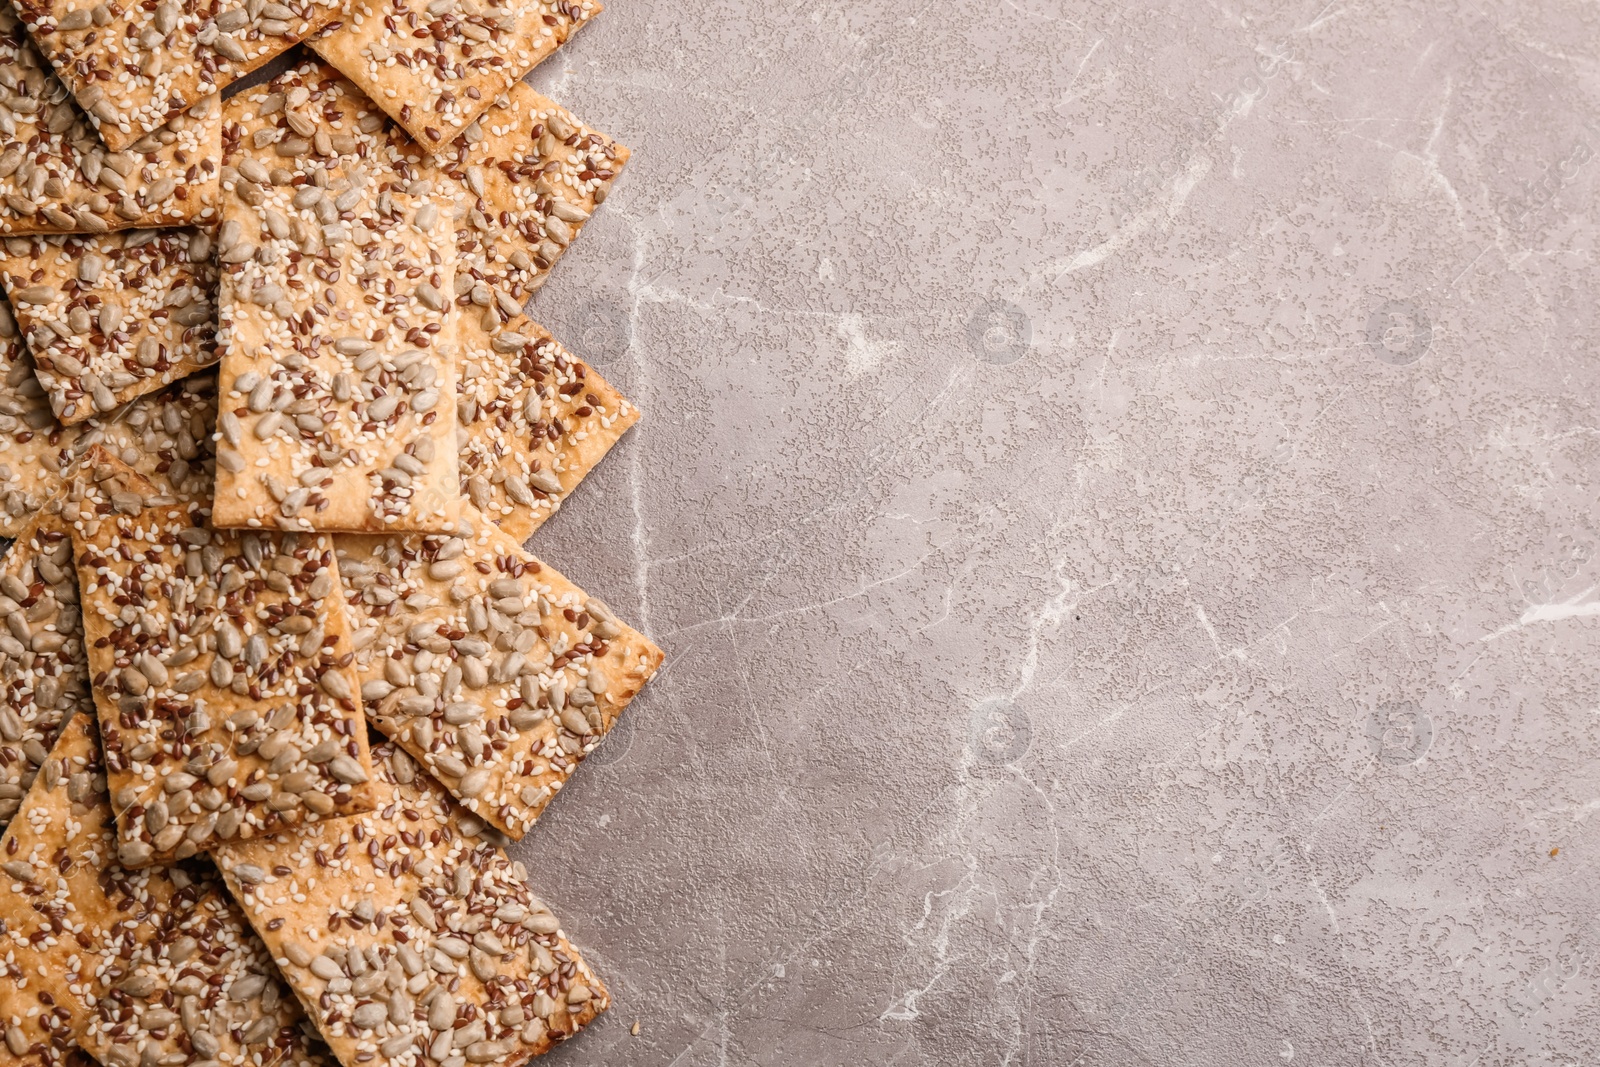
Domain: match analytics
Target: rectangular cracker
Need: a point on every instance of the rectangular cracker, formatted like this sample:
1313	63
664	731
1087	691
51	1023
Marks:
132	67
534	421
490	668
156	965
337	336
33	445
435	67
220	662
165	436
476	966
67	182
38	454
109	317
530	176
44	668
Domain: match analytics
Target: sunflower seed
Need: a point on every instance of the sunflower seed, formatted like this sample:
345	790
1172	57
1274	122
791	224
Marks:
247	988
369	1016
442	1012
326	969
249	874
474	782
134	854
138	986
392	1047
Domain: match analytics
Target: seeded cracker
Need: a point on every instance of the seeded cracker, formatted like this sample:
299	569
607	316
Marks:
337	338
530	176
134	66
414	938
42	661
57	177
42	658
435	67
493	670
42	664
534	420
109	317
154	966
33	446
216	657
165	436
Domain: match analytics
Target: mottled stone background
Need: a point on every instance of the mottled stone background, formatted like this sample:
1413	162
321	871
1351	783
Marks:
1117	492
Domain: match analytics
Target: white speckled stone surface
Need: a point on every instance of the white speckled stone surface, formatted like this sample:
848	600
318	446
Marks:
1117	491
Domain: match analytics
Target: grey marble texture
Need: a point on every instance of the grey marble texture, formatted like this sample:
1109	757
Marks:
1118	494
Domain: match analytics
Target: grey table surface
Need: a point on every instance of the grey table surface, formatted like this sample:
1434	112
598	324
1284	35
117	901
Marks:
1117	491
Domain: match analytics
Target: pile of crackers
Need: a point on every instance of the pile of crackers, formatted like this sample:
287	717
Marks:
281	682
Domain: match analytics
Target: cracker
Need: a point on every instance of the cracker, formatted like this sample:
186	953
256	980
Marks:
220	665
134	67
154	966
33	446
109	317
57	177
42	666
155	434
435	67
413	938
166	436
337	333
530	176
493	670
534	420
46	678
